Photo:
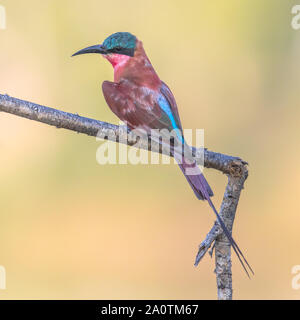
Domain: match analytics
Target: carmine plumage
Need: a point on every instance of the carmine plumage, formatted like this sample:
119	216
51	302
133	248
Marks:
140	99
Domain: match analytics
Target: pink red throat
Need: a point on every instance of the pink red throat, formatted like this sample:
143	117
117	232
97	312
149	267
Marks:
118	61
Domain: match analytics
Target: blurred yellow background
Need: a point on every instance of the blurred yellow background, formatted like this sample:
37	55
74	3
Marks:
72	229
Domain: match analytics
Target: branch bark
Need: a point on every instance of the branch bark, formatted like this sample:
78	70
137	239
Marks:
234	167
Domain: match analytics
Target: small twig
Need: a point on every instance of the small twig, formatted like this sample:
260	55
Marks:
211	251
235	168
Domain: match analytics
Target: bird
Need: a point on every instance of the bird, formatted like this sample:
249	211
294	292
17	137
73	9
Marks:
139	98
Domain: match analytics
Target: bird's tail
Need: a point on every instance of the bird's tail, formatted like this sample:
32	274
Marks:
203	192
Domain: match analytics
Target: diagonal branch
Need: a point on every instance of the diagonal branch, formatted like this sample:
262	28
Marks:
234	167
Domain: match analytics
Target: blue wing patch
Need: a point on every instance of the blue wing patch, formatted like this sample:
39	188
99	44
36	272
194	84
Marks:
164	104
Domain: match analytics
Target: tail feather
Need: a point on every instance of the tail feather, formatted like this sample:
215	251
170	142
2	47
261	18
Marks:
197	182
203	191
234	245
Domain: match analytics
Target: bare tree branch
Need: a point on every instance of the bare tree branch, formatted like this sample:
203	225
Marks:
234	167
222	247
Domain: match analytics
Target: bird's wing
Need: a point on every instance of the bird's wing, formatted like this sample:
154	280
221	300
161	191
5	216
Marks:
134	112
165	90
142	110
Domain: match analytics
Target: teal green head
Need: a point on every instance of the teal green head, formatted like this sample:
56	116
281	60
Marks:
123	43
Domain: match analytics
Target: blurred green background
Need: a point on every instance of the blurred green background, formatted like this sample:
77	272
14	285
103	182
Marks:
72	229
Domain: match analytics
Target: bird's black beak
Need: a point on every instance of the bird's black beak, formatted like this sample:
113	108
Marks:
99	48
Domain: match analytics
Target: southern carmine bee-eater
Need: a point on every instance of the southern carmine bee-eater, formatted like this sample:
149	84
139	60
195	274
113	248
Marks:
140	99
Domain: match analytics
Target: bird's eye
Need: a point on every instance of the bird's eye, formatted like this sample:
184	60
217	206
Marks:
118	49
